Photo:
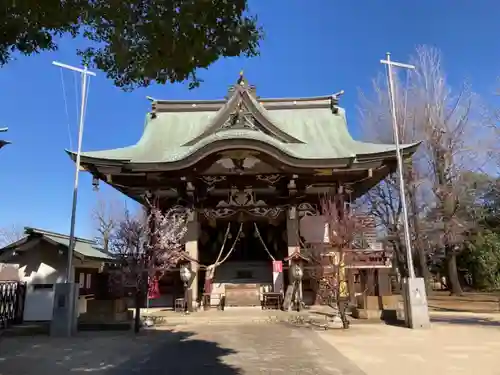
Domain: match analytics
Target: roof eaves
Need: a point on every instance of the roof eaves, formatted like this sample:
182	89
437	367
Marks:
14	244
29	230
87	157
407	150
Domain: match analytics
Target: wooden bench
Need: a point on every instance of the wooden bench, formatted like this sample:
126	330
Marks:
209	301
272	300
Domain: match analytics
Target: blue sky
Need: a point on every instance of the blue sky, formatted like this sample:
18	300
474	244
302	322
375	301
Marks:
312	47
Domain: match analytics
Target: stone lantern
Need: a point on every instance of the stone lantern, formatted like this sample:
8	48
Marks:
296	273
186	275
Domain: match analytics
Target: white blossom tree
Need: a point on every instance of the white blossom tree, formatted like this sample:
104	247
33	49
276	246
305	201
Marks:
147	245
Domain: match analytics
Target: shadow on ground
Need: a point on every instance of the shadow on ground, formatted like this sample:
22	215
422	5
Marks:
464	309
460	320
152	352
456	320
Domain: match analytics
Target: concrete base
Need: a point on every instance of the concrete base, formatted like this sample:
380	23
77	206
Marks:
106	311
387	315
415	302
59	325
367	314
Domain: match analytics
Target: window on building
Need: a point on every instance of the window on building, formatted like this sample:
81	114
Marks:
88	281
42	286
81	280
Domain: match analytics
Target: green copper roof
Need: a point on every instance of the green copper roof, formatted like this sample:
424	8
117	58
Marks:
325	136
311	129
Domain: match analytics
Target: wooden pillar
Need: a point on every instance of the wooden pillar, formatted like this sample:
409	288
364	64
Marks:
192	250
350	285
371	282
292	234
292	231
384	282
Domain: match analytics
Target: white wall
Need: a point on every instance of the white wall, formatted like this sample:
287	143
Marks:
40	265
44	264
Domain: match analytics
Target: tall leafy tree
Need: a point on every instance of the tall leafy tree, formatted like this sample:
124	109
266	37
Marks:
136	42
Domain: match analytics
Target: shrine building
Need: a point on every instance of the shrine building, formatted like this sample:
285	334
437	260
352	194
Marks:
247	168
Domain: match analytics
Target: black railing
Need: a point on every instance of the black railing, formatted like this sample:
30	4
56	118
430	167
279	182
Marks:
12	295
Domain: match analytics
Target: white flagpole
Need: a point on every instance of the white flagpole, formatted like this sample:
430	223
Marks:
69	271
392	97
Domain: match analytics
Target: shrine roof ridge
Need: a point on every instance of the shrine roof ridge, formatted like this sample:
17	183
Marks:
176	105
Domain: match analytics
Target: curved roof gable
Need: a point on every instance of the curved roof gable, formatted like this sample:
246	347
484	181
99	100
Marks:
243	112
310	132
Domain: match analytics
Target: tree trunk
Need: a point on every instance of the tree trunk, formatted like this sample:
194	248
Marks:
451	268
137	320
317	293
422	259
399	257
423	269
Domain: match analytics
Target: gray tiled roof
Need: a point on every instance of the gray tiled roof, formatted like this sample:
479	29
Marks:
84	247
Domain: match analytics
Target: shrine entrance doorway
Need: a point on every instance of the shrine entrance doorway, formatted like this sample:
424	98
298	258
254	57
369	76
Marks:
244	267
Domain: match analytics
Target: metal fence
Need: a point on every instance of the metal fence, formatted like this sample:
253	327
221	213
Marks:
12	296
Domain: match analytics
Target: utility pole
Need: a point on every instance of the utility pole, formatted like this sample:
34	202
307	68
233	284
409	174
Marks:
416	310
85	73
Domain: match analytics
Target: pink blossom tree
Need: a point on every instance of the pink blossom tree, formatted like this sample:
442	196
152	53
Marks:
147	245
330	259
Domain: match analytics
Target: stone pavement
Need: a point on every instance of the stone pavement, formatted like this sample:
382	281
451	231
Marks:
456	344
231	315
97	352
247	348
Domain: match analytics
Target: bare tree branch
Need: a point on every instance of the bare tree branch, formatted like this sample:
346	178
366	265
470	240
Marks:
329	259
10	235
456	140
107	215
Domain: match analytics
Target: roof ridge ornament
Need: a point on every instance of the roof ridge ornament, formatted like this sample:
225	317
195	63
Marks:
243	111
241	80
241	86
334	101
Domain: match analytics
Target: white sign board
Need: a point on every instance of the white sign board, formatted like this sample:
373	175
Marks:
314	229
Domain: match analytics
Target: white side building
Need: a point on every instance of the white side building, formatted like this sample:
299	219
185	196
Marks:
40	259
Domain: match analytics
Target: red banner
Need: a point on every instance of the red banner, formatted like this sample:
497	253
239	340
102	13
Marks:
277	266
153	289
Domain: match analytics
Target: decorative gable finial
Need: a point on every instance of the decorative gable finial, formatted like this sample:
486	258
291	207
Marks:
334	101
241	79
